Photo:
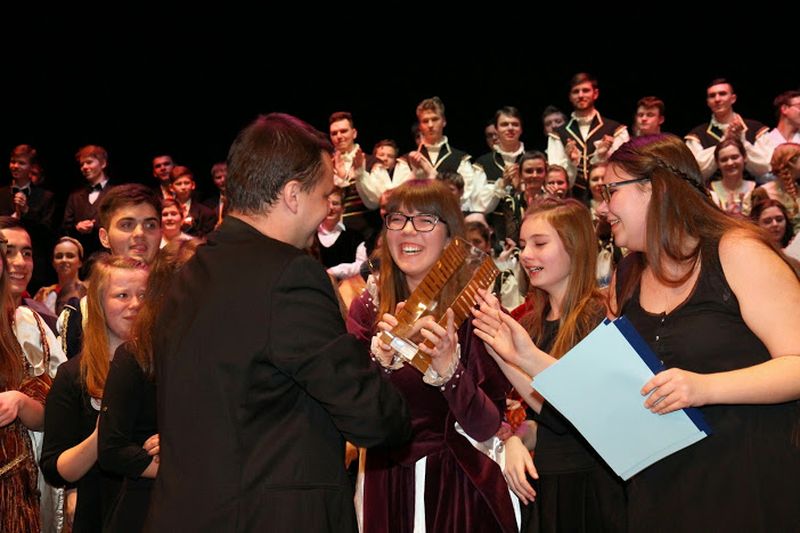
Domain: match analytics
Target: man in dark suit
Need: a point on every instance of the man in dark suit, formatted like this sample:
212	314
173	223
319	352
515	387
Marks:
33	206
198	220
259	385
80	216
23	199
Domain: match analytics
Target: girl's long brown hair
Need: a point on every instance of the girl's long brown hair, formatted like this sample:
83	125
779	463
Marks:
583	304
679	212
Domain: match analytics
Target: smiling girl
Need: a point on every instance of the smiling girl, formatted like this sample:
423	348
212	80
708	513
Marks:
438	481
116	288
576	491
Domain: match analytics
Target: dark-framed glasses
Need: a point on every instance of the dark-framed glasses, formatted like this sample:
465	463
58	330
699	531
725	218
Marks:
607	189
422	222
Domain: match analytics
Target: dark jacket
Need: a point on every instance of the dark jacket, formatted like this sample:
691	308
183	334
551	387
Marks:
258	386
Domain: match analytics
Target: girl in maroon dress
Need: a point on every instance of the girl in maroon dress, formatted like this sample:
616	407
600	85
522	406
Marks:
438	481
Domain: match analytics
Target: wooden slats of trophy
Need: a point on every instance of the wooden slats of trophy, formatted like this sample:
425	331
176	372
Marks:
451	259
482	278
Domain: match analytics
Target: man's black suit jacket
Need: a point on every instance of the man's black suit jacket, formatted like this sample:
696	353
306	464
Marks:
259	385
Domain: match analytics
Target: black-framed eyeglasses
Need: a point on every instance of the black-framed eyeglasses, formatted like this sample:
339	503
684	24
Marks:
422	222
607	189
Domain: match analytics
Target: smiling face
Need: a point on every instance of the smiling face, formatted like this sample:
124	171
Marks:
731	162
557	179
582	96
532	175
19	255
66	260
720	99
171	219
627	211
543	256
92	169
343	135
20	168
415	252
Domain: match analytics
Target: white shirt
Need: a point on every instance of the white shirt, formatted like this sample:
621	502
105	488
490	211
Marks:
93	195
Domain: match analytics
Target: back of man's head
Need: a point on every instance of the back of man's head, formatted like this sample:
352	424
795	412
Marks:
273	150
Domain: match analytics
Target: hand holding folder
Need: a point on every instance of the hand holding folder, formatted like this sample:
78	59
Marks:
597	387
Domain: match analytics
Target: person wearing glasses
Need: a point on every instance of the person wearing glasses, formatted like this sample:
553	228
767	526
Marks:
718	305
437	481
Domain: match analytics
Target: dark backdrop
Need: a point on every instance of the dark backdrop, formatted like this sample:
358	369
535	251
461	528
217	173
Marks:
188	89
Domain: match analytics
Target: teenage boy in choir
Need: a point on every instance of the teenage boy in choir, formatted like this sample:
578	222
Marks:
501	167
19	255
434	148
552	119
387	172
130	225
350	169
587	137
198	220
341	251
725	123
216	202
787	111
649	116
32	205
80	216
162	169
23	199
490	134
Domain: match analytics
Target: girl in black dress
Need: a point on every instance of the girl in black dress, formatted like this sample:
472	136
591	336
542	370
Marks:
69	455
576	491
128	433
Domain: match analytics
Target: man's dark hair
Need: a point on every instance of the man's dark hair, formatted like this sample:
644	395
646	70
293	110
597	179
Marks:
270	152
124	195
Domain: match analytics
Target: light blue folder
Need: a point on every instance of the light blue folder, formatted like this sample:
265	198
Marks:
596	387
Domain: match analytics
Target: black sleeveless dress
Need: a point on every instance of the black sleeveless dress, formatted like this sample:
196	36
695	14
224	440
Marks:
744	476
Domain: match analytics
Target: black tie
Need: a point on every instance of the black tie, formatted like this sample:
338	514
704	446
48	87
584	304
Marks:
24	190
97	187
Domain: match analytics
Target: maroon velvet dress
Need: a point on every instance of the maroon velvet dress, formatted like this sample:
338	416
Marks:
464	489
